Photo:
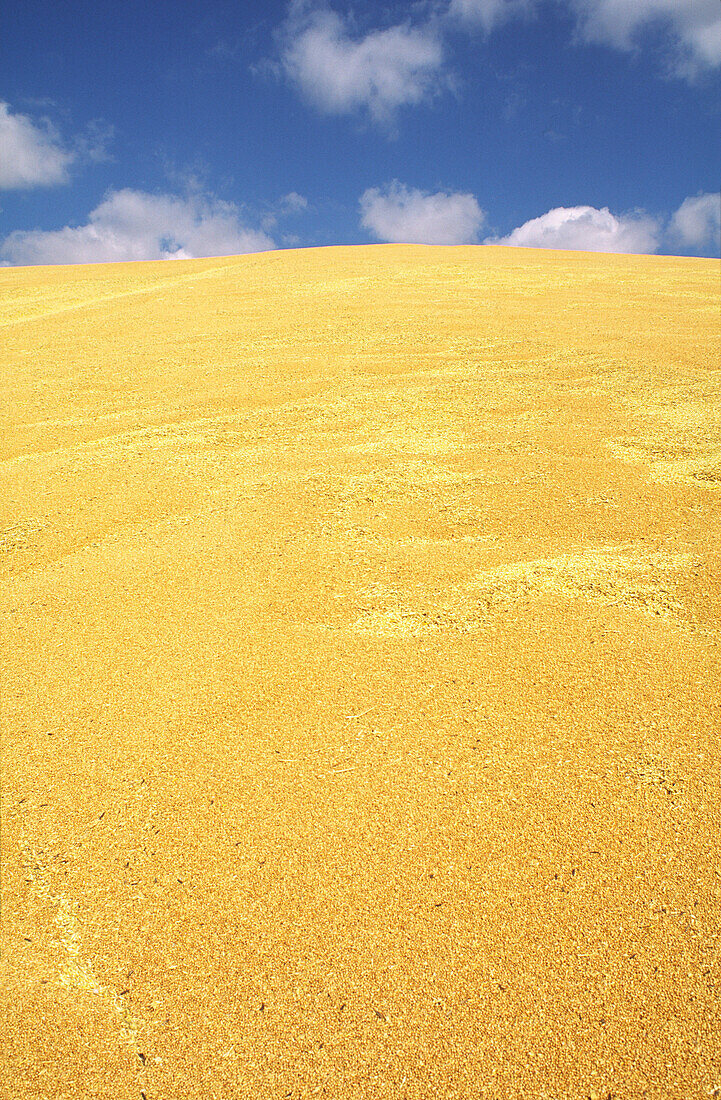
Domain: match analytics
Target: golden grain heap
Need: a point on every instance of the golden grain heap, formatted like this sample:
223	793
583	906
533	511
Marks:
361	677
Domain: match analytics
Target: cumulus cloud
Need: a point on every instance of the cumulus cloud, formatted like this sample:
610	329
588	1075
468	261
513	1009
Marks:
134	225
339	73
695	24
697	223
401	214
587	229
31	154
487	13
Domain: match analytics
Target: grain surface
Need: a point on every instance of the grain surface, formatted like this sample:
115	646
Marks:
361	712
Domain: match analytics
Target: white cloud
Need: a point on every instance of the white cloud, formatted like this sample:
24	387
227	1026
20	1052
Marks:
487	13
587	229
695	24
133	225
403	214
340	72
380	72
31	154
697	222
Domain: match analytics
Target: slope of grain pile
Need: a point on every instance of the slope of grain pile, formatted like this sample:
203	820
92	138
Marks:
361	643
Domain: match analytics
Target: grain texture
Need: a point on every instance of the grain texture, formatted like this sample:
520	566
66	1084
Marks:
361	698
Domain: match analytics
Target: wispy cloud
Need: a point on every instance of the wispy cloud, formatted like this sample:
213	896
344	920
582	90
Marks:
293	203
32	154
587	229
401	214
694	26
135	225
379	72
93	145
288	206
486	14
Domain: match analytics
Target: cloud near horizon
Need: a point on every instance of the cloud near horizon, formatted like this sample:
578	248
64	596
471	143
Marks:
134	225
399	214
697	222
587	229
31	154
342	74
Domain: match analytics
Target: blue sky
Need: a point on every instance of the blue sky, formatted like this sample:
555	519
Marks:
175	128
